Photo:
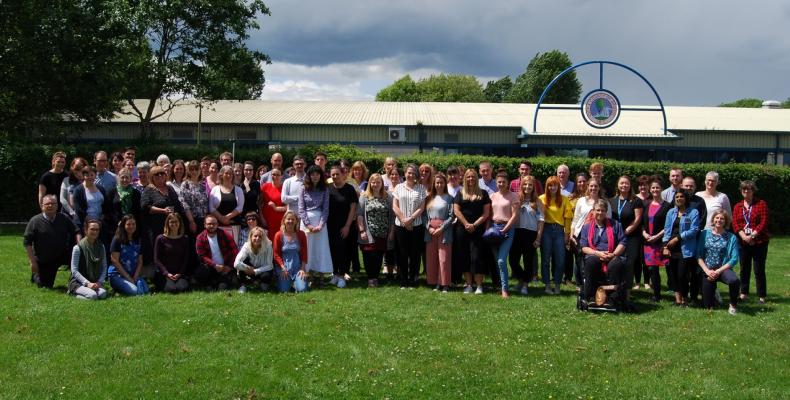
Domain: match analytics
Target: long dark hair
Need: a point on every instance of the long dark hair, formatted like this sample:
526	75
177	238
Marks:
308	182
120	233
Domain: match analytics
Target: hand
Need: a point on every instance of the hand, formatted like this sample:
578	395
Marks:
319	227
469	227
34	265
219	268
170	209
93	285
344	231
363	235
572	239
536	243
192	227
272	205
301	274
437	231
249	271
130	279
172	277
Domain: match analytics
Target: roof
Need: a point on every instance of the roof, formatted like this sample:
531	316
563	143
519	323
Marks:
489	115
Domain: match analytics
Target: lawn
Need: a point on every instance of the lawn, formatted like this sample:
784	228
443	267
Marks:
383	343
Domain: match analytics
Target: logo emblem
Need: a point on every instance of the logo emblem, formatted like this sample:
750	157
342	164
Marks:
600	108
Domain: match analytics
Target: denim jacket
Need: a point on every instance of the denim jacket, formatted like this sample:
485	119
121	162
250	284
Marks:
689	228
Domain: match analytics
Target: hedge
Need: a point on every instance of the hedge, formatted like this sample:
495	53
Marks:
23	163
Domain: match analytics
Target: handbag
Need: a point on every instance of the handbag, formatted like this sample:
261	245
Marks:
493	235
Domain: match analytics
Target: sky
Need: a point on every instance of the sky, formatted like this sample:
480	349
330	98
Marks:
695	53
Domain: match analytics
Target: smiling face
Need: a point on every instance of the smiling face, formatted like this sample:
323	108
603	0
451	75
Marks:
593	189
711	183
440	185
600	214
655	190
289	221
130	227
277	177
527	186
524	169
719	221
315	177
624	186
680	200
257	238
92	231
375	184
338	179
411	175
675	177
502	184
581	184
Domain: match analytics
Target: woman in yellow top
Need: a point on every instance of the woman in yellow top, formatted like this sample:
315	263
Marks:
556	231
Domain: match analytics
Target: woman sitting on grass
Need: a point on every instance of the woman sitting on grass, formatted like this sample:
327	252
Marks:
171	255
717	255
254	261
88	265
290	254
127	259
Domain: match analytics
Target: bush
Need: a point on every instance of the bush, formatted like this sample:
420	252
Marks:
23	163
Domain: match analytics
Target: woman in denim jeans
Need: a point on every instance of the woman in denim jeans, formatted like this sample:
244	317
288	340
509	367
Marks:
504	208
127	260
680	244
556	233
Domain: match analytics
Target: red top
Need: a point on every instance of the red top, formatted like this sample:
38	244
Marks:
278	247
758	219
273	218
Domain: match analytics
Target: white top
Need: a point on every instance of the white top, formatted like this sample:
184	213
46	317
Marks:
409	200
216	253
715	203
291	189
260	261
528	217
583	209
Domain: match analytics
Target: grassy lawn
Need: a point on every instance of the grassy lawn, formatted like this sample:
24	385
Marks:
383	343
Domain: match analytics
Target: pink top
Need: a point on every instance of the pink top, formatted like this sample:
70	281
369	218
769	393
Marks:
501	205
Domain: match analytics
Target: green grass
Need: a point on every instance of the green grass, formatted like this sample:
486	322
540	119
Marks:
382	343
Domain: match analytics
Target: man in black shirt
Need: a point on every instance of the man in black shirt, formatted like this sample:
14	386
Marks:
48	239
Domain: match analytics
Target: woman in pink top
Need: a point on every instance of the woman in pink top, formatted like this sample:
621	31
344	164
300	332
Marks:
504	207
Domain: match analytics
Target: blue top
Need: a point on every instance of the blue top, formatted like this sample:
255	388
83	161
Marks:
600	241
290	255
689	228
313	200
717	250
128	256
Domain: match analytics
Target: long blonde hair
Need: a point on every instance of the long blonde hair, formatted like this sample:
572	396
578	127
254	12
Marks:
368	193
266	240
296	224
473	192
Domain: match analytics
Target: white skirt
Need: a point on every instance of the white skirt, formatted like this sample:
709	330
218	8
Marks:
319	259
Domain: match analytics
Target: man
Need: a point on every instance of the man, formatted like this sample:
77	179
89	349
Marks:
225	159
292	186
525	169
50	181
566	184
277	163
48	240
675	179
216	252
596	172
104	178
130	153
690	186
320	160
603	244
486	180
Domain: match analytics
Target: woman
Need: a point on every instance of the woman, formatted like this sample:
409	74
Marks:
143	178
750	223
376	225
556	232
439	234
193	198
407	204
341	230
251	220
717	255
582	214
226	202
643	188
680	244
472	207
212	179
601	240
254	260
68	185
260	172
504	210
390	163
313	206
177	175
359	173
88	265
158	200
126	266
453	181
171	256
272	206
117	162
391	255
527	235
714	200
573	253
238	173
290	255
627	210
643	194
91	201
426	175
653	220
127	202
251	188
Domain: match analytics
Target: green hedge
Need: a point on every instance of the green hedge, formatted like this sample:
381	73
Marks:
22	164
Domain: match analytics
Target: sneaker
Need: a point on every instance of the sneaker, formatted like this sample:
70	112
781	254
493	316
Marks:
347	277
446	289
468	289
242	289
518	287
334	280
436	289
557	289
761	300
636	287
524	291
647	286
341	283
402	287
549	290
732	310
479	290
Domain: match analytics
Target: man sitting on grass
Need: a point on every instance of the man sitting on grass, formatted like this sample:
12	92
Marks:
216	251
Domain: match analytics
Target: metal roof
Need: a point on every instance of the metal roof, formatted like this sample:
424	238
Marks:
493	115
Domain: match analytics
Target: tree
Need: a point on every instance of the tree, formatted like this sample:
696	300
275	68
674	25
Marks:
540	71
786	103
496	91
60	60
744	103
191	48
404	89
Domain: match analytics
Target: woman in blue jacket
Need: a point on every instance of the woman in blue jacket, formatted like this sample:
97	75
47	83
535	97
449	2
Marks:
680	244
717	255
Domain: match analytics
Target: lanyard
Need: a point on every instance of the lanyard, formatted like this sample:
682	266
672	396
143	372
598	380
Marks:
620	209
747	217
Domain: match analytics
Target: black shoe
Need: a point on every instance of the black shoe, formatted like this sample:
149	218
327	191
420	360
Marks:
654	299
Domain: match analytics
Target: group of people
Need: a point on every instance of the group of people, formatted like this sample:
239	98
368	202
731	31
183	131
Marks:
220	224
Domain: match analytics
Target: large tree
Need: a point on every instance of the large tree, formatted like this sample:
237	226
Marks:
404	89
192	49
496	91
540	71
450	88
60	60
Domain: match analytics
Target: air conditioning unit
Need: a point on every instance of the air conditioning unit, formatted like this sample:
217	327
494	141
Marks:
397	134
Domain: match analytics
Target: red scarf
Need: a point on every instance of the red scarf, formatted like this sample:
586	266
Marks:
609	238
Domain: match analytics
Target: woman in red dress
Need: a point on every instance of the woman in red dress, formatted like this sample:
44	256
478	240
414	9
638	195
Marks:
272	207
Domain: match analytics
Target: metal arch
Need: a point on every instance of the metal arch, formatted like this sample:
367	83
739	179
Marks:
600	81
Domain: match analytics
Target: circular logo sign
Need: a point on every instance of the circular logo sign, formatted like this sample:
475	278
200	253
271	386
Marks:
600	108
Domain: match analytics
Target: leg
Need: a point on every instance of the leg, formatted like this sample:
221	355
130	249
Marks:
445	262
402	245
530	257
708	293
747	254
559	259
121	285
85	293
592	273
283	282
730	278
760	255
432	260
47	272
517	251
546	244
655	281
501	260
416	247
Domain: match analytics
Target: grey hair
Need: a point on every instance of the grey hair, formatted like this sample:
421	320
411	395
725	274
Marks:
712	174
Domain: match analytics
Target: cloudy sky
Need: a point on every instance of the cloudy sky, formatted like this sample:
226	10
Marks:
701	52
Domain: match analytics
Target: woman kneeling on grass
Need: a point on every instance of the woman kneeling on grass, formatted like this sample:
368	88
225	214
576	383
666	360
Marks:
717	255
290	255
254	261
88	265
171	255
127	260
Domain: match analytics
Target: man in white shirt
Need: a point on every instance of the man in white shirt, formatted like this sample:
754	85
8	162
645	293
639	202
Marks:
293	185
486	180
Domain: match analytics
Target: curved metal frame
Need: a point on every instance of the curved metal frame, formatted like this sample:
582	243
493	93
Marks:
600	87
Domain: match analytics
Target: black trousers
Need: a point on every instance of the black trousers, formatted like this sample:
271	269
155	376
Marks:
654	273
372	261
522	249
594	275
339	249
709	288
471	251
168	286
756	254
410	244
682	270
47	272
633	261
209	277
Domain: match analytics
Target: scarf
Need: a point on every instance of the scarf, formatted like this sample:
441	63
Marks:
125	195
609	239
93	254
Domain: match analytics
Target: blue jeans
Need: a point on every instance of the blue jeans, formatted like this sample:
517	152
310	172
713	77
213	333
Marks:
121	285
284	283
552	247
501	254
